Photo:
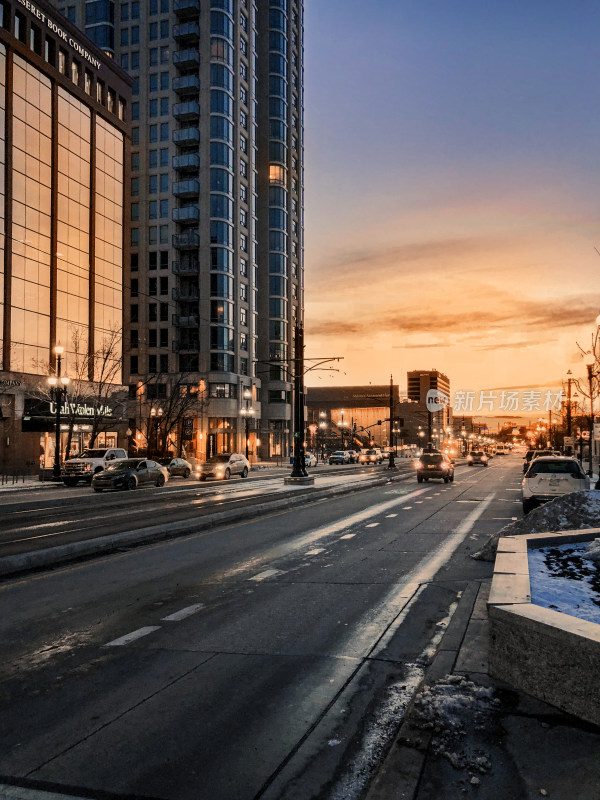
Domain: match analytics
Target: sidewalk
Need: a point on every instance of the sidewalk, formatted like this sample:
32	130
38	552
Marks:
467	734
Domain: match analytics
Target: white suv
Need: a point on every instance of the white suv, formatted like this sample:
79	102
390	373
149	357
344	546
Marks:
552	476
84	466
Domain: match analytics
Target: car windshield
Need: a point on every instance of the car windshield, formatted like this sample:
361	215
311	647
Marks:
371	452
432	459
555	467
92	454
339	453
220	459
122	465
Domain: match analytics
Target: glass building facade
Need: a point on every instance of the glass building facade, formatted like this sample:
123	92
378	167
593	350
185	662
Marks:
215	207
63	133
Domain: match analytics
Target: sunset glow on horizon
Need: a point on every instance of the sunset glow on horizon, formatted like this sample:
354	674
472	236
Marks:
451	190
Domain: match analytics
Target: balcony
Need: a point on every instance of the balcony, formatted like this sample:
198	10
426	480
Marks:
190	321
189	240
186	293
186	136
189	188
188	162
186	85
187	215
187	266
186	8
186	59
187	112
186	32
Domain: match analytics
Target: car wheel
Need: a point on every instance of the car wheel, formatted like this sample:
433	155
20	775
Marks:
202	477
419	479
245	472
446	480
528	505
97	489
227	474
452	478
186	473
70	481
426	480
160	481
131	483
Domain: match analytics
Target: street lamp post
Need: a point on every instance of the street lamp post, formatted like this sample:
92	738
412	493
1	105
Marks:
156	414
341	427
58	390
247	413
321	432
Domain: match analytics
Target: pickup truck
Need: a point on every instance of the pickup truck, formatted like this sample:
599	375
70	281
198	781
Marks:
84	466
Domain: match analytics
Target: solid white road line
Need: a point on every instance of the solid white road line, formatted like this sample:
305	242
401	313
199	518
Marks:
131	637
185	612
268	573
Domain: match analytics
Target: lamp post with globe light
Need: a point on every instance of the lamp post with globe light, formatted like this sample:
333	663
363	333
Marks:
247	412
58	391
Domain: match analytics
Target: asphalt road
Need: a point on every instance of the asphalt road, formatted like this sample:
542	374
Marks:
56	515
268	659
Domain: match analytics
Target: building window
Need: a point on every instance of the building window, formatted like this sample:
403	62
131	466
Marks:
164	131
164	285
133	313
133	365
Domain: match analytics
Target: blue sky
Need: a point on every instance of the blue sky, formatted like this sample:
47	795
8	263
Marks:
452	181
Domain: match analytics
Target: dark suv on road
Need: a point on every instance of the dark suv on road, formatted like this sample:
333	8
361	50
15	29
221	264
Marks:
435	465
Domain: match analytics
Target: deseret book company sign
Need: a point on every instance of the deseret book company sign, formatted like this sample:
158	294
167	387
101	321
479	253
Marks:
62	34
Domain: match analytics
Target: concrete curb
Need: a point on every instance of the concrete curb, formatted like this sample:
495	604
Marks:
52	556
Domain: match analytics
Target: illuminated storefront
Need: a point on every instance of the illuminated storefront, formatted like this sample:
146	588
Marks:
64	107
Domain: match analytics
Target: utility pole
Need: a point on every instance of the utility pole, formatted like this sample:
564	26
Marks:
391	462
299	473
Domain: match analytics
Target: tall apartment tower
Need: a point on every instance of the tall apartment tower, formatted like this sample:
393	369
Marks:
216	270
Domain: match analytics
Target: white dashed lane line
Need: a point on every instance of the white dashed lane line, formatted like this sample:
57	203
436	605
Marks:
372	525
315	552
183	613
131	637
348	536
268	573
390	516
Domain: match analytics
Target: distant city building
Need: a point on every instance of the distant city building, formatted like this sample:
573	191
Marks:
215	277
359	415
64	127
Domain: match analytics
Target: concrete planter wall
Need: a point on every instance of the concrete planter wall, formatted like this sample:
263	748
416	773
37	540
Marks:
552	656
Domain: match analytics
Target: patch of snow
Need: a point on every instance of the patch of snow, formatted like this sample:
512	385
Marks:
569	512
566	579
450	708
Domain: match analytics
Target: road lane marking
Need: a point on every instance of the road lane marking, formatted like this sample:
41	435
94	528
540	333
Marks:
268	573
348	536
131	637
372	525
183	613
406	508
389	516
315	551
418	501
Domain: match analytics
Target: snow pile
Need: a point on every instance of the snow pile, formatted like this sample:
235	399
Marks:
569	512
565	579
450	708
592	551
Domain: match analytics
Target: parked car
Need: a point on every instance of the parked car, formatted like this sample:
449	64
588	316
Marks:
372	456
130	473
339	457
176	466
434	465
477	457
310	460
85	465
223	466
531	454
552	476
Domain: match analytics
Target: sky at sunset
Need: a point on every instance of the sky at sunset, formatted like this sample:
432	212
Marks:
452	188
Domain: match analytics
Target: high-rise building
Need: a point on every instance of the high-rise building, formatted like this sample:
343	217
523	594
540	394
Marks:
64	109
216	266
419	383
